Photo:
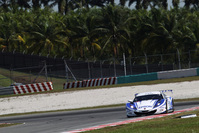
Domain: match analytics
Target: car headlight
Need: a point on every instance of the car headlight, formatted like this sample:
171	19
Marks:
132	106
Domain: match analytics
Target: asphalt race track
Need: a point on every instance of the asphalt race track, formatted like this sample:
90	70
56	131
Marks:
58	122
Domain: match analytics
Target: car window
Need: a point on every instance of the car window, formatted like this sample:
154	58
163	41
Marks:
148	97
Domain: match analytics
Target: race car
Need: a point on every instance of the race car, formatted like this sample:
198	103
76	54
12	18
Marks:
148	103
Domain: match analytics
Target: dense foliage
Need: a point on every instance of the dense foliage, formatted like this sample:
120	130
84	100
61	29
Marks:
98	32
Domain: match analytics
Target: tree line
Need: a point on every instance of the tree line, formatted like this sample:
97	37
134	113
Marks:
65	6
98	33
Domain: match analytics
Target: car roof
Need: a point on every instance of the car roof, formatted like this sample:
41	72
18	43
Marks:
148	93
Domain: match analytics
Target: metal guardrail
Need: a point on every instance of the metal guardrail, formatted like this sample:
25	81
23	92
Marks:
6	90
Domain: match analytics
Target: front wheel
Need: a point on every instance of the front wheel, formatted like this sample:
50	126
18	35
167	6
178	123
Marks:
128	116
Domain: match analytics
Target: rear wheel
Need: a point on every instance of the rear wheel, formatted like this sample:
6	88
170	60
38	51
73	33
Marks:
172	106
170	109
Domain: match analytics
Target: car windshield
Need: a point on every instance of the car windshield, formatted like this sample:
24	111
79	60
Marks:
147	97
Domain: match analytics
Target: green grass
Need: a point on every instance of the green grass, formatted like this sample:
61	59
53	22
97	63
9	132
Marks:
4	81
8	124
169	124
27	78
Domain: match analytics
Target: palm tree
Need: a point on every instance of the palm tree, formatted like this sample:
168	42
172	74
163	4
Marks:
64	6
123	2
140	3
190	33
155	33
111	1
145	4
8	32
23	3
175	3
5	4
99	3
80	30
132	1
114	31
195	4
44	36
38	3
164	4
187	3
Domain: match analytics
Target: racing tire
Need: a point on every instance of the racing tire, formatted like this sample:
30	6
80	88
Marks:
128	116
173	107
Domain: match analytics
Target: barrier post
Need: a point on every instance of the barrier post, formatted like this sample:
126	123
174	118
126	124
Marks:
101	69
179	63
146	63
89	71
124	64
115	68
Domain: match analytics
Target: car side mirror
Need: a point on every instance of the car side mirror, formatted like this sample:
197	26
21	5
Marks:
131	101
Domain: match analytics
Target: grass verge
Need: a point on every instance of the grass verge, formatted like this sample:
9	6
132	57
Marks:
8	124
4	81
168	124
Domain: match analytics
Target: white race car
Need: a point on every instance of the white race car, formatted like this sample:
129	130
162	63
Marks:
149	103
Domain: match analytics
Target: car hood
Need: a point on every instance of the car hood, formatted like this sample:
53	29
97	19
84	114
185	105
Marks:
145	105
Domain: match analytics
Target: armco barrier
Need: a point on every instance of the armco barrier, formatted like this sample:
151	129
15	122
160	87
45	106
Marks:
134	78
197	69
178	73
91	82
77	84
32	88
100	82
137	78
6	91
159	75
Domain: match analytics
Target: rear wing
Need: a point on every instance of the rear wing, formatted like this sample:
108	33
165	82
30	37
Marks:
164	91
156	92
